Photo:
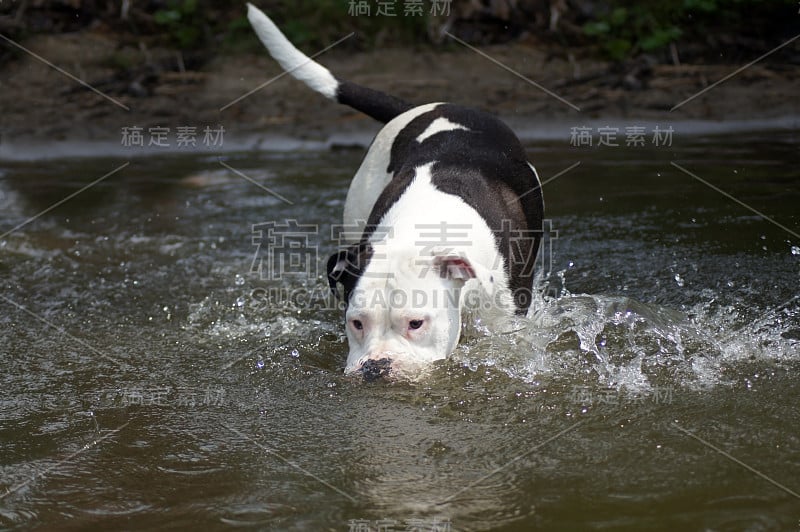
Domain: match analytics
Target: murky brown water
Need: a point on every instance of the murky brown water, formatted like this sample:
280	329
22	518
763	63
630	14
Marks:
151	379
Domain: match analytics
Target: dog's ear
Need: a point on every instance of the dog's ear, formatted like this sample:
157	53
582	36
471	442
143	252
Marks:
337	266
459	269
454	267
346	266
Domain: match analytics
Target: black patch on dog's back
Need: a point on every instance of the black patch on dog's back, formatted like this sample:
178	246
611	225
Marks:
486	166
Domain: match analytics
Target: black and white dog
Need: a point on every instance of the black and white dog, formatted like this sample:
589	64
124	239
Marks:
451	212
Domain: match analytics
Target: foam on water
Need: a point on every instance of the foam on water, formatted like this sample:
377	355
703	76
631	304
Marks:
622	343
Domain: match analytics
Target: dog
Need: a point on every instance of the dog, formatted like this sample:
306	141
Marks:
450	216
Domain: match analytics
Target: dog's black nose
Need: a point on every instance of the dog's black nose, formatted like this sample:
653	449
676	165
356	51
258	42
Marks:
373	370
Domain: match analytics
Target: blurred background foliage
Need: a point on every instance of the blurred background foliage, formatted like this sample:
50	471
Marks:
630	27
704	30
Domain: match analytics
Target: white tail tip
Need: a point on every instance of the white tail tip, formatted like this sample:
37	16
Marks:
293	61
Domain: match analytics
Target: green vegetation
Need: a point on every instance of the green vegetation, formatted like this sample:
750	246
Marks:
624	31
182	21
188	23
316	24
631	27
617	30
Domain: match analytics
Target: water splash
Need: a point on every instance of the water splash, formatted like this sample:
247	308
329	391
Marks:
622	343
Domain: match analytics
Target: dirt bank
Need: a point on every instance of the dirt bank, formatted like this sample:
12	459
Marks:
39	103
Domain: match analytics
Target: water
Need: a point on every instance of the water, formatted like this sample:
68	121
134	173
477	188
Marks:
152	380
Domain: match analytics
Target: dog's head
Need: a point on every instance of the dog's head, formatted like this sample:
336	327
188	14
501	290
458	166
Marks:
403	308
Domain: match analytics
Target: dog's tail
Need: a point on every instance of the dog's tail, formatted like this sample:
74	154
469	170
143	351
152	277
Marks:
378	105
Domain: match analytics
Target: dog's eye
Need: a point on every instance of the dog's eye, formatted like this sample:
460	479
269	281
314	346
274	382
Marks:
358	325
415	324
